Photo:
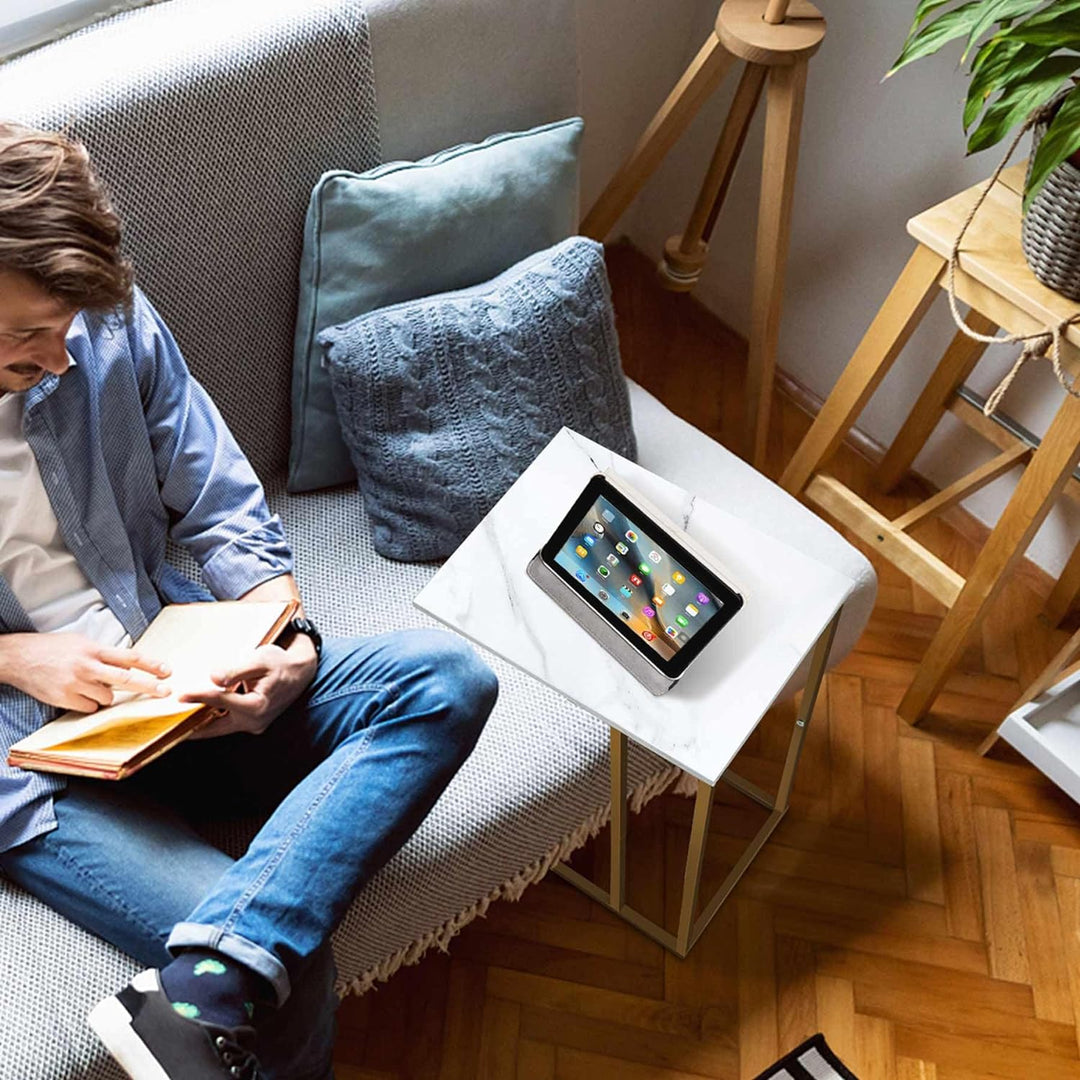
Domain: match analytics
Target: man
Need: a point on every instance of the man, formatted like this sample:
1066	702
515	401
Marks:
108	445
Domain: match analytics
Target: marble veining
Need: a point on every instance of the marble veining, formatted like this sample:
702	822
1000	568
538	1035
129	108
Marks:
483	592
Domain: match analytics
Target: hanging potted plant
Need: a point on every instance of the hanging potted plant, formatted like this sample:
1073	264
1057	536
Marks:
1023	57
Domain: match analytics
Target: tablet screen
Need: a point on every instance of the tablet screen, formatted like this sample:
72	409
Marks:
639	578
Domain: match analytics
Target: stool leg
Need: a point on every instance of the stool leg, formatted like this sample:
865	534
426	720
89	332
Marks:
901	313
1042	481
1064	594
684	256
698	82
783	121
955	366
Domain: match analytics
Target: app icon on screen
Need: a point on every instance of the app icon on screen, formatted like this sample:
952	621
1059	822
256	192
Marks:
612	560
582	552
691	609
607	515
671	631
598	528
631	536
677	577
589	541
582	576
625	615
648	612
626	591
645	568
654	556
668	589
603	571
683	637
621	548
648	635
603	594
682	620
702	598
634	579
658	601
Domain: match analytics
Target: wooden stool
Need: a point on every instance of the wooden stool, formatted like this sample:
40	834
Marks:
1002	292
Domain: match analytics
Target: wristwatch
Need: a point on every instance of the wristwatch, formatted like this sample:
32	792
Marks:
307	627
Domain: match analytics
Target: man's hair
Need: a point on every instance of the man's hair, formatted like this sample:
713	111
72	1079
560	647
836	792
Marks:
57	223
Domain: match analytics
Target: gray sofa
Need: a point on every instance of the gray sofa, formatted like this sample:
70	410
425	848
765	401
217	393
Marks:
212	142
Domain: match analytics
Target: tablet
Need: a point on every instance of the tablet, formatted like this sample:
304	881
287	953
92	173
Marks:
640	577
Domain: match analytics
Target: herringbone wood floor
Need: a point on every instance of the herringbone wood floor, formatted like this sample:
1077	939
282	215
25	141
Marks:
919	905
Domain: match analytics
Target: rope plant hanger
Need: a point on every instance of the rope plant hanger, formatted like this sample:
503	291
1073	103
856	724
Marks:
1043	344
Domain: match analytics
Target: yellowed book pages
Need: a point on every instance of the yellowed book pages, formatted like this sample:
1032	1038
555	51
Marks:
194	640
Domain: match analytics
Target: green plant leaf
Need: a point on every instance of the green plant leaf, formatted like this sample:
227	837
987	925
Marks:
933	35
1062	139
1005	64
924	9
995	11
1020	100
1058	24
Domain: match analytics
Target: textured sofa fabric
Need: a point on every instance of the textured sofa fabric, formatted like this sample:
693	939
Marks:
537	783
444	401
409	229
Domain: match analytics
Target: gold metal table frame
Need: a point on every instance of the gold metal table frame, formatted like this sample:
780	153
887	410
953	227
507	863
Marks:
691	928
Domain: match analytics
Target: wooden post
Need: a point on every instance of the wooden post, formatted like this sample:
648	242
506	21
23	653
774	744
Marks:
776	12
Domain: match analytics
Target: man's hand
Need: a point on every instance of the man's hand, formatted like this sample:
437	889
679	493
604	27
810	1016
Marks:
73	672
255	692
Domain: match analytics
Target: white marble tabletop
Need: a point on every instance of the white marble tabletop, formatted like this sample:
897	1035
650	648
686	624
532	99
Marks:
482	591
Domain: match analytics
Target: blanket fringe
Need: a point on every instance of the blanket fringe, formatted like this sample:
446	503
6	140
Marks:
672	778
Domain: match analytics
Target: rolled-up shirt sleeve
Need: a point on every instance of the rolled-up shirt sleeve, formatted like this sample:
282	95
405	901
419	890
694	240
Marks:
216	503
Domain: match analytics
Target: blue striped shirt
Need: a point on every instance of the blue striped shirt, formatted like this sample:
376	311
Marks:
131	451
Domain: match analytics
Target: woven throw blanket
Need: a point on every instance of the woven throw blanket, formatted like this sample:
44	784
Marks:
211	144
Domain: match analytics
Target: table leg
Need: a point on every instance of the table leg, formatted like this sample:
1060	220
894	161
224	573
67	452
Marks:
618	819
954	367
1050	468
903	310
691	928
783	123
1063	596
699	81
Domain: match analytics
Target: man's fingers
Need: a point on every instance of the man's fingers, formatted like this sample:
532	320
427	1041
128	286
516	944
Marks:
81	703
220	725
242	704
97	693
121	678
132	658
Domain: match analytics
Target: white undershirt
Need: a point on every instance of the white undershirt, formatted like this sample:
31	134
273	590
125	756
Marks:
37	564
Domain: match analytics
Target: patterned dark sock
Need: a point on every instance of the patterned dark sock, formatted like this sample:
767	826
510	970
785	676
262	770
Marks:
205	985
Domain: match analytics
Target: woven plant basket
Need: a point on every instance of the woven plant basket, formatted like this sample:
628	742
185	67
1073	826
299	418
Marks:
1051	229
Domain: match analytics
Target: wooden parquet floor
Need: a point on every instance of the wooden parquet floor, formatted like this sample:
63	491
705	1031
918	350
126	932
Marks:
918	904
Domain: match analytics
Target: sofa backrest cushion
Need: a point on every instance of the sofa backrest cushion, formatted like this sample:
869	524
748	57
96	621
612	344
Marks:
410	229
445	400
211	122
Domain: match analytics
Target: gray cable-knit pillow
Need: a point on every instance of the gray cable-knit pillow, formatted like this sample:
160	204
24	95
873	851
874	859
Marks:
444	401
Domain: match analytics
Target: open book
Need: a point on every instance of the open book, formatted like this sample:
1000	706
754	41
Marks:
194	640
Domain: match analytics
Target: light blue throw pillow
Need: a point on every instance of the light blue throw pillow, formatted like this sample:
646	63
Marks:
445	401
409	229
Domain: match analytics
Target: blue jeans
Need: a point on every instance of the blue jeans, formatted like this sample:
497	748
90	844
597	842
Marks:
346	774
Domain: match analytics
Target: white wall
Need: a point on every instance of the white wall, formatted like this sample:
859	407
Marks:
872	156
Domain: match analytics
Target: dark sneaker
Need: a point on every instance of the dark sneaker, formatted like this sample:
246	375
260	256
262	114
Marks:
152	1041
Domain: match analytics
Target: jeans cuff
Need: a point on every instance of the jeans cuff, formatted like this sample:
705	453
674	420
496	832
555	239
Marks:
187	935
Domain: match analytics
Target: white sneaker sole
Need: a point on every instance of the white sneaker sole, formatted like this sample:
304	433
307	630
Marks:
111	1023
